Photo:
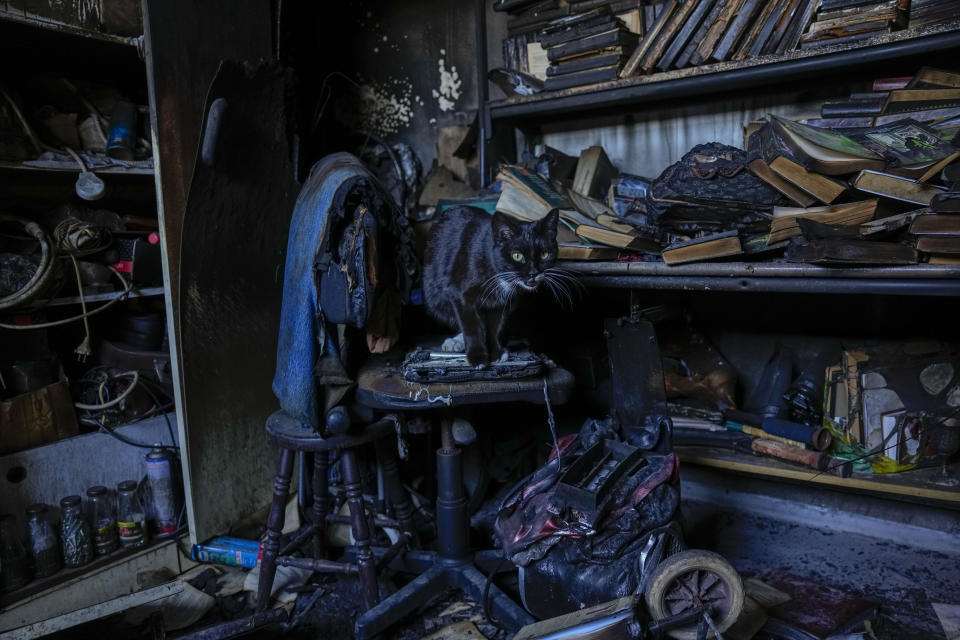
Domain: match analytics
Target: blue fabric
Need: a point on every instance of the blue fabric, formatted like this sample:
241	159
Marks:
301	331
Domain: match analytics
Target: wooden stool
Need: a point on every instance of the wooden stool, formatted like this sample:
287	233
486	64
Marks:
291	437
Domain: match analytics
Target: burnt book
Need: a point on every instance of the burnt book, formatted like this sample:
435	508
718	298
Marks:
719	245
939	244
685	34
867	28
582	78
754	34
831	5
912	149
651	37
839	42
798	24
592	27
536	20
516	6
738	27
614	56
713	35
937	224
566	21
859	122
850	251
892	82
824	150
858	105
594	172
780	29
709	21
780	159
582	251
895	187
759	167
906	100
874	8
930	78
785	223
653	56
591	44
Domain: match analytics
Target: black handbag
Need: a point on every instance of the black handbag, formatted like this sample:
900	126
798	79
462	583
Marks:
710	187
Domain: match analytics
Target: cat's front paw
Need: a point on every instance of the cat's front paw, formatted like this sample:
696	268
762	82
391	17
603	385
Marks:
453	345
478	357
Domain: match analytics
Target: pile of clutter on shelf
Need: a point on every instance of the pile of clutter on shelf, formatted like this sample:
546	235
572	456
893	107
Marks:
67	267
557	44
874	181
59	124
76	533
879	407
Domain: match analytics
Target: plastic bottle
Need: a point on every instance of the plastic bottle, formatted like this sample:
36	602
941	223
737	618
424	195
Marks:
43	546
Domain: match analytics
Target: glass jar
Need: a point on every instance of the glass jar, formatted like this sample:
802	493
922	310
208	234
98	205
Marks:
102	515
131	518
43	547
75	538
14	565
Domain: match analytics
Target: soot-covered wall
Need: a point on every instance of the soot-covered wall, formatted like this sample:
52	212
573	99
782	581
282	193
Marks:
397	71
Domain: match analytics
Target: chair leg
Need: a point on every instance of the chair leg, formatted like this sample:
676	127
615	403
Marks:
396	494
321	500
271	544
361	530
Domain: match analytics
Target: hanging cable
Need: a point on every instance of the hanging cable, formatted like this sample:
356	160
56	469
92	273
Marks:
56	323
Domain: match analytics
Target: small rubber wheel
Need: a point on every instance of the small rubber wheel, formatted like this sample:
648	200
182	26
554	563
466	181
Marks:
683	578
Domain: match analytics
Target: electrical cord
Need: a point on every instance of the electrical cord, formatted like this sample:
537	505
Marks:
115	401
45	270
486	596
127	288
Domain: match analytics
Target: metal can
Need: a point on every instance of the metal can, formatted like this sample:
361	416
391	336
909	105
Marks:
122	135
165	502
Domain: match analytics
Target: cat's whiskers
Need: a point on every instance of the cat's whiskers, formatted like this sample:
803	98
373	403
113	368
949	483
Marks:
562	283
501	285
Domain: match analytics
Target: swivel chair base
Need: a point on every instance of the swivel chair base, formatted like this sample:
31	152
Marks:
452	565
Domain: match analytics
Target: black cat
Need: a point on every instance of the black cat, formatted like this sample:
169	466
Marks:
474	265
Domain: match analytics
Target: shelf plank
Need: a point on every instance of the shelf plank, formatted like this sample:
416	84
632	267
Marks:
24	18
917	483
771	277
72	167
143	292
728	76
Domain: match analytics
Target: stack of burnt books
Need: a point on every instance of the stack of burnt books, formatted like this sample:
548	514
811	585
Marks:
840	22
586	48
545	33
688	33
931	96
927	12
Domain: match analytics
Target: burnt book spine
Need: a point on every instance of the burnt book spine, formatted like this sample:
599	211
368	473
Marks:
666	36
620	37
679	43
852	108
781	28
799	24
715	32
709	20
649	38
742	51
585	63
581	78
593	27
736	30
766	32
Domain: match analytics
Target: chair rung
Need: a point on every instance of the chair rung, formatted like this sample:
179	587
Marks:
317	564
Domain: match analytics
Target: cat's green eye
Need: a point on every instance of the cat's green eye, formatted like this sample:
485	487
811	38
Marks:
544	255
517	256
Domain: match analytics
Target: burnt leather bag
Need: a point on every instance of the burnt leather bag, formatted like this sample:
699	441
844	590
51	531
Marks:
348	282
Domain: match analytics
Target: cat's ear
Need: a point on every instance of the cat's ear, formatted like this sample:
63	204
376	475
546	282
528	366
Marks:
547	225
504	228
